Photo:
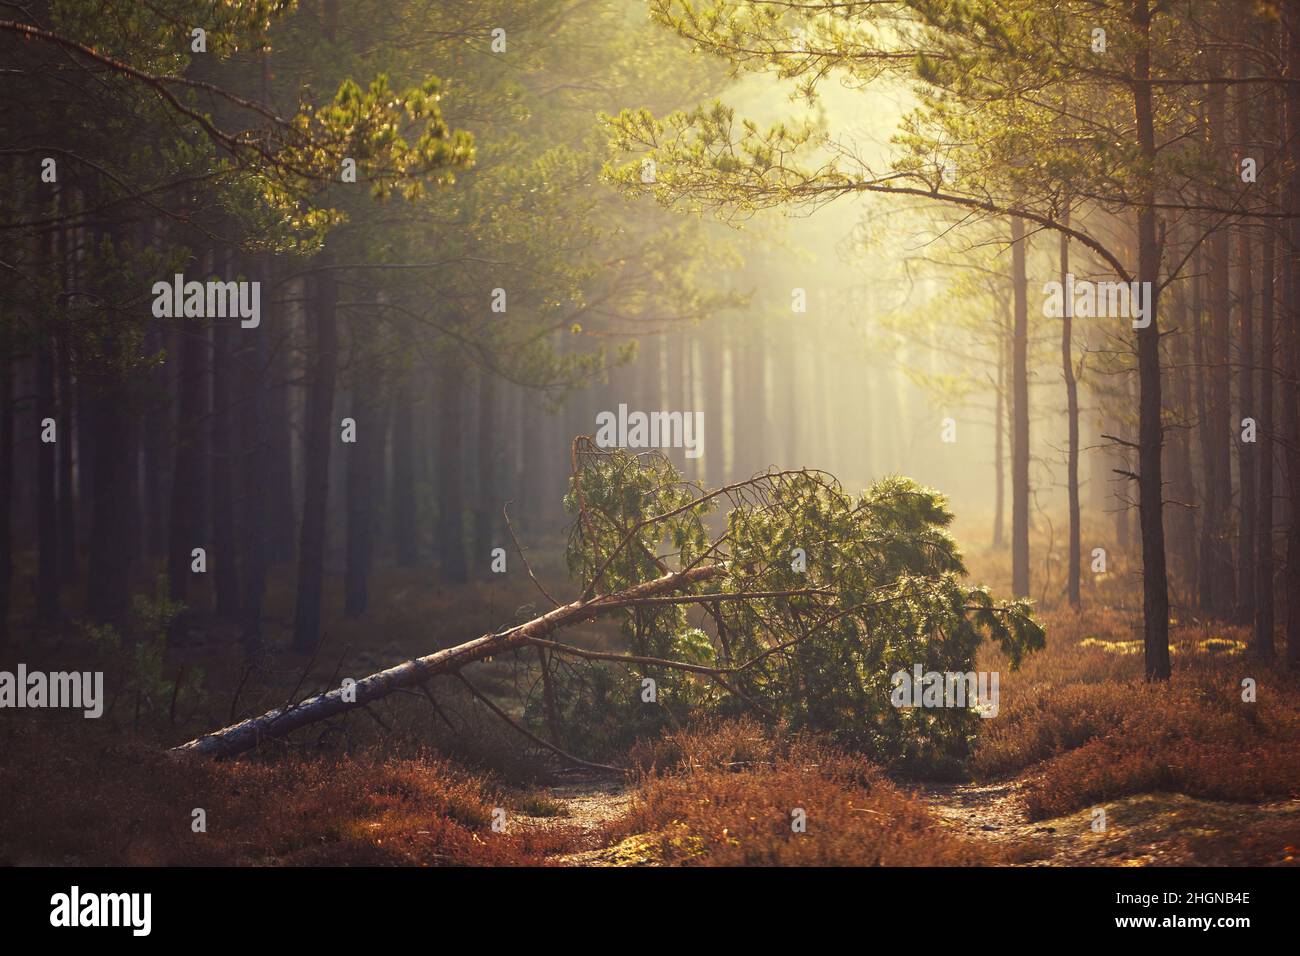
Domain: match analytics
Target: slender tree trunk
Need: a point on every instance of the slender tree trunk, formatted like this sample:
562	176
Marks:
6	473
47	529
281	527
1155	585
1072	420
1246	450
713	463
999	430
67	520
255	464
1262	640
530	481
361	459
486	505
221	560
1209	501
1020	407
47	526
451	498
111	551
405	540
1221	430
156	446
1291	343
319	435
1183	531
186	499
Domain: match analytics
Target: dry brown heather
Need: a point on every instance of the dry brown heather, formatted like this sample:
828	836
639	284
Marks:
724	796
83	800
1079	719
1077	726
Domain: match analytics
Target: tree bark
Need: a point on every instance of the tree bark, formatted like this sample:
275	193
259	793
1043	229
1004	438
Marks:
47	528
1262	639
405	541
999	431
6	473
254	460
1247	471
1155	585
111	550
319	436
1183	530
451	498
1220	408
1020	409
221	559
187	524
489	463
1291	343
1072	425
247	734
363	456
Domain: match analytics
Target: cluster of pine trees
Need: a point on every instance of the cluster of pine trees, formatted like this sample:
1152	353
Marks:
449	291
410	189
1157	143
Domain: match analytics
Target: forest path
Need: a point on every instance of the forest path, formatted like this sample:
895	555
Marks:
1148	829
590	803
1151	829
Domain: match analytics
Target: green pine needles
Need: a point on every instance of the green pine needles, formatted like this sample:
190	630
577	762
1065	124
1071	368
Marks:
805	601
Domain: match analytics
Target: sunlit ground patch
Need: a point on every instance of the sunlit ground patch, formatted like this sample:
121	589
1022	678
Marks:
1211	645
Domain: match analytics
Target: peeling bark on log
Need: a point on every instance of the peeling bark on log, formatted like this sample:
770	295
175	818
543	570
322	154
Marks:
247	734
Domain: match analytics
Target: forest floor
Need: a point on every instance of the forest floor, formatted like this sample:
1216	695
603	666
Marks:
1189	772
1152	829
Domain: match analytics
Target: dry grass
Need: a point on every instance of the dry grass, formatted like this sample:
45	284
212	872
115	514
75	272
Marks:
725	795
82	798
1080	718
1077	726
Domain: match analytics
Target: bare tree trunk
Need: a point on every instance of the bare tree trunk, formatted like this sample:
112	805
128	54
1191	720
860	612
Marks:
1209	502
1262	640
1291	344
47	531
185	533
222	558
1183	530
362	457
1246	451
255	459
1020	409
281	528
247	734
111	549
999	430
713	462
47	527
451	498
1220	409
319	436
6	474
67	519
1155	584
487	504
1072	418
405	542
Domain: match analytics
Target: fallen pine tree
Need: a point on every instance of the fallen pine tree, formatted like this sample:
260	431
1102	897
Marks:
814	598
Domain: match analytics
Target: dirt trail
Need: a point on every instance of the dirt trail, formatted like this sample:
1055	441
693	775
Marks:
1154	829
590	803
1160	829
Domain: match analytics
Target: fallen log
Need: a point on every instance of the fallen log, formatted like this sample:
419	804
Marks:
247	734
